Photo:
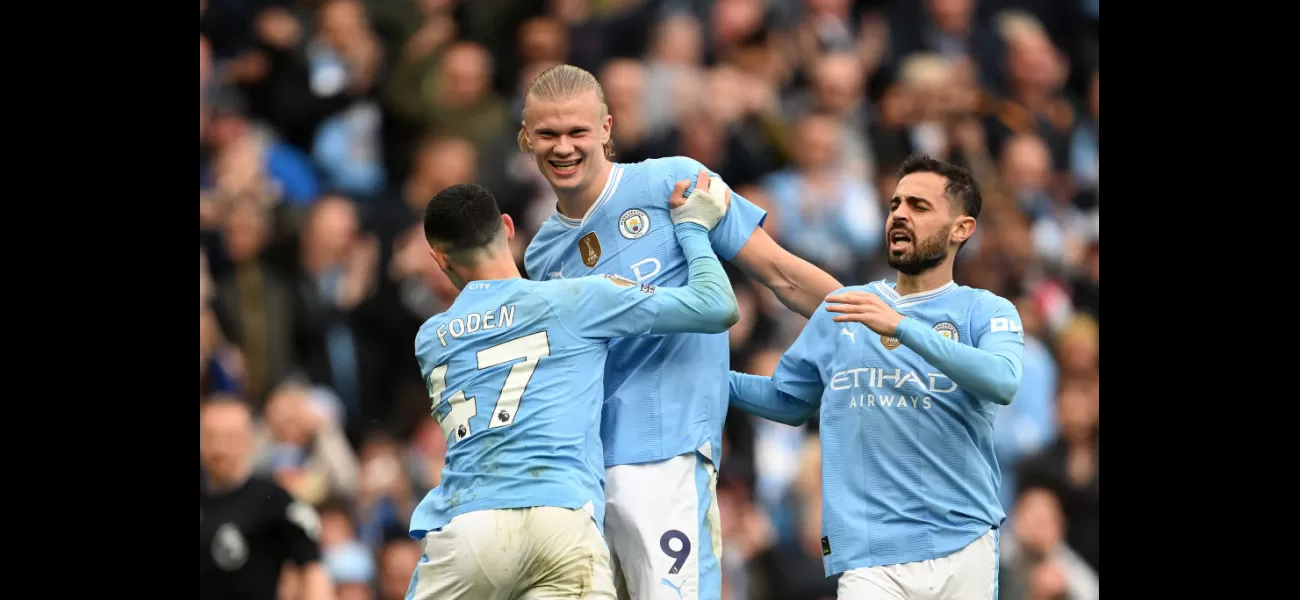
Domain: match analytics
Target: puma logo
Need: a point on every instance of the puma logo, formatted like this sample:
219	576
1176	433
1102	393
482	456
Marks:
670	584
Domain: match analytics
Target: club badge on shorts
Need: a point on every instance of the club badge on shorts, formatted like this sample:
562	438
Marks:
633	223
947	330
589	249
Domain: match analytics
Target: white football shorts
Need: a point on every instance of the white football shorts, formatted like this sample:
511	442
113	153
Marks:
967	574
663	529
540	553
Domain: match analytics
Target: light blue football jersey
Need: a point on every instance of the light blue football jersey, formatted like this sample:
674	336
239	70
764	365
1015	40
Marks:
908	467
666	395
509	367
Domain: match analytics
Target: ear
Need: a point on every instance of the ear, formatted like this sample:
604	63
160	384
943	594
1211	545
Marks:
962	230
439	258
509	224
606	128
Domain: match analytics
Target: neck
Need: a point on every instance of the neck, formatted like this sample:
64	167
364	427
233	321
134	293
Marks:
925	281
500	267
575	203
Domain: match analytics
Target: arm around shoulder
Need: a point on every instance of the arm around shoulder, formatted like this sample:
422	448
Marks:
708	303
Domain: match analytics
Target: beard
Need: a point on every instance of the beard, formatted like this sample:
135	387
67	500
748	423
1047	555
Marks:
924	254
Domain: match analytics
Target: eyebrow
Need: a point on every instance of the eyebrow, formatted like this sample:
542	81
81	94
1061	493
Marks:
551	130
910	199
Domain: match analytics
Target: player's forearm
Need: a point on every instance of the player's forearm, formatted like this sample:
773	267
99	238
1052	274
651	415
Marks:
758	396
993	376
707	304
799	284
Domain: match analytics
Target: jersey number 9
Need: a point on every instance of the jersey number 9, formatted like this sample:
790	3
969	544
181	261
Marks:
530	348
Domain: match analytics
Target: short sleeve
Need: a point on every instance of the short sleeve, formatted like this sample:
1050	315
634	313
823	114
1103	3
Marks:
742	218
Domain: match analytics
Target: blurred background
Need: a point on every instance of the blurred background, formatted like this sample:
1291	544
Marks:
326	125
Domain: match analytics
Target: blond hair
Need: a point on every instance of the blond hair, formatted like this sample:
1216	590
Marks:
562	82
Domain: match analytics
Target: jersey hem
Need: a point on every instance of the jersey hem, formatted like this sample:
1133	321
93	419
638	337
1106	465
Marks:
418	532
832	570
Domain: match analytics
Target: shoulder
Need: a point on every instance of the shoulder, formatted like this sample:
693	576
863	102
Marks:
426	337
673	167
985	301
269	493
879	287
540	245
821	315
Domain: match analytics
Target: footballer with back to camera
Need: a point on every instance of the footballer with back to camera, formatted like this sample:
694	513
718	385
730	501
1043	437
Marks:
666	396
515	375
908	378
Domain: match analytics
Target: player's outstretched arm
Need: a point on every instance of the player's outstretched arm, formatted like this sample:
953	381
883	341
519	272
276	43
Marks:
796	282
794	391
758	396
739	238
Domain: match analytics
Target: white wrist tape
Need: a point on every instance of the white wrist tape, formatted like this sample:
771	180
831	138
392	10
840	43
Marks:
704	206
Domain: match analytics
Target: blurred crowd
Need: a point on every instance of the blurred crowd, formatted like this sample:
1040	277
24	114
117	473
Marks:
325	126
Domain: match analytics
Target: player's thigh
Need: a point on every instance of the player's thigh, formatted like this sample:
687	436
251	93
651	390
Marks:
972	572
662	521
568	557
455	556
871	583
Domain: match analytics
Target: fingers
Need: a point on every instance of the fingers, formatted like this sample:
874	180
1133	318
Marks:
845	319
853	298
726	200
678	196
716	187
844	308
702	179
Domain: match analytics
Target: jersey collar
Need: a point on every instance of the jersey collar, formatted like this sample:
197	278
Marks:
887	289
611	186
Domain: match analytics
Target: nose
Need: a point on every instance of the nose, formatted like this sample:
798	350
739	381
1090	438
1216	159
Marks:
564	146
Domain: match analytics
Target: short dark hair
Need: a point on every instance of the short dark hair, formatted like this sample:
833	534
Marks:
961	190
462	217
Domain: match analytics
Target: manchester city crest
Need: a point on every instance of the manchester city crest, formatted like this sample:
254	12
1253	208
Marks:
633	223
948	330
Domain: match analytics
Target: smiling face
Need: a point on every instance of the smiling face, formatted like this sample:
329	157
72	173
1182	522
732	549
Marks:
567	137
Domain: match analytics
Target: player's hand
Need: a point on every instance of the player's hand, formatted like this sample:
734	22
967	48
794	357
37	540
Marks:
705	206
865	308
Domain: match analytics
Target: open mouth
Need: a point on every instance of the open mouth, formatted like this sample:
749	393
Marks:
565	167
899	239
